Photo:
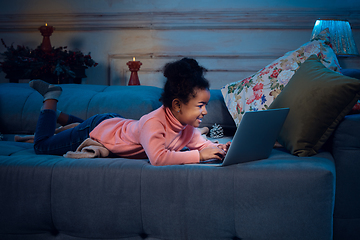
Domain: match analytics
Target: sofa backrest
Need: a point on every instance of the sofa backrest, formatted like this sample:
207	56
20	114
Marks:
20	105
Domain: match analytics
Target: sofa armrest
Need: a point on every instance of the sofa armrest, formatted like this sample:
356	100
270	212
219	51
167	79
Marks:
346	152
355	73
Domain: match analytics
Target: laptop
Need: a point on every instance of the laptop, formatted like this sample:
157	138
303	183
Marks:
254	138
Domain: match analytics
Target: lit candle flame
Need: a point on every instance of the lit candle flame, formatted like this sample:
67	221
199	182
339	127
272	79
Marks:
46	24
134	59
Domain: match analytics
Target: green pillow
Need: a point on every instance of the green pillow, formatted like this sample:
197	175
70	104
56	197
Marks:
318	99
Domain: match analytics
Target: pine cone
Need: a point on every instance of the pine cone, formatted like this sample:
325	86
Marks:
216	131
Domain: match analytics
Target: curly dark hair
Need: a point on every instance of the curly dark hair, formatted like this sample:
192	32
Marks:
183	78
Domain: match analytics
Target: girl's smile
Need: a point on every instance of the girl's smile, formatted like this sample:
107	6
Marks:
192	112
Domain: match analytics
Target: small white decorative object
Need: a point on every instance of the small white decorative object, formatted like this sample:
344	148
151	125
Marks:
216	131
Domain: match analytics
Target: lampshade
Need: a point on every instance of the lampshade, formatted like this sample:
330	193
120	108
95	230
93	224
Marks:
341	36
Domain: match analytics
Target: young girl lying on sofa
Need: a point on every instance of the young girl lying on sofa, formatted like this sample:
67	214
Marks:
159	135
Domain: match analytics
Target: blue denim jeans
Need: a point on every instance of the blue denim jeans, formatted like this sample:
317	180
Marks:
45	142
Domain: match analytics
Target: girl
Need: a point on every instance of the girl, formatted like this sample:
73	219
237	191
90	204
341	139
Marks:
159	135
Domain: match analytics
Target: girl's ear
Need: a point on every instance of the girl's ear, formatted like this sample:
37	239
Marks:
176	105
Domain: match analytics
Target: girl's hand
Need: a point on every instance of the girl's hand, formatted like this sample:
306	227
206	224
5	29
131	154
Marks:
212	153
224	147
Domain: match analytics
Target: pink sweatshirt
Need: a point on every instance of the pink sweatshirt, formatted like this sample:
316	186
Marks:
157	135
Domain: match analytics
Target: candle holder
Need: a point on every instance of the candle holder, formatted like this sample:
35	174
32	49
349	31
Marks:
134	67
46	32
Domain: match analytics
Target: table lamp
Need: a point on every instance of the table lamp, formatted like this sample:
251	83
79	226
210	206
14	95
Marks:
342	39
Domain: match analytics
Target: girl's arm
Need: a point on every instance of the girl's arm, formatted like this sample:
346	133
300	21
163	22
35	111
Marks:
199	142
152	139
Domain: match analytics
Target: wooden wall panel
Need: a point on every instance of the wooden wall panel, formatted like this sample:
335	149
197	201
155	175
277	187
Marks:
231	43
275	18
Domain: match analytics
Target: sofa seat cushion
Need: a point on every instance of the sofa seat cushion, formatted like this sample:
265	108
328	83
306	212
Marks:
246	201
114	198
102	196
8	148
25	196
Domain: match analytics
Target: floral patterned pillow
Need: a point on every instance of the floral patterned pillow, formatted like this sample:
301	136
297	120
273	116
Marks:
258	91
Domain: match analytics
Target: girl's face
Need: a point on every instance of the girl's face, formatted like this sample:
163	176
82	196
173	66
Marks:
192	112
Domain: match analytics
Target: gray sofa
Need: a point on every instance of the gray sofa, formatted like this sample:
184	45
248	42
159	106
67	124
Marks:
282	197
